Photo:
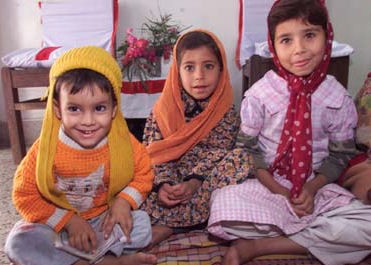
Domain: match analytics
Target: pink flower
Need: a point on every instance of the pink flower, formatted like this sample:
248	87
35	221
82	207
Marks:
167	52
142	43
125	60
129	31
138	54
131	39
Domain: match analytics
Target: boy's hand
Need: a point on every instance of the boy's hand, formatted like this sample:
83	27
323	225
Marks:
119	213
304	203
80	234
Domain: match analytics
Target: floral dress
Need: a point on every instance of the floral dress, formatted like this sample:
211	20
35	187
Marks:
204	161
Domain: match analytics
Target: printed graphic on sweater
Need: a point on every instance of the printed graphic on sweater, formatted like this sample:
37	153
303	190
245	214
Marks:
81	191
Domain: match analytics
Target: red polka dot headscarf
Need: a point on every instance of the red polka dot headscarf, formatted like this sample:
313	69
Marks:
294	153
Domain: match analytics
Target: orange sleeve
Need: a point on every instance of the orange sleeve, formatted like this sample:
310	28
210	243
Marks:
137	190
28	200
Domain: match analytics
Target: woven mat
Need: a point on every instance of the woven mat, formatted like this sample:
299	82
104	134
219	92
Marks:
197	248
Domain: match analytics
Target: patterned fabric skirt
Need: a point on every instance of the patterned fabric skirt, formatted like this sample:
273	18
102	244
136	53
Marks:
234	168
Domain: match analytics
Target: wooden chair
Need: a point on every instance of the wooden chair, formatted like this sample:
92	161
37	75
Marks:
14	79
256	66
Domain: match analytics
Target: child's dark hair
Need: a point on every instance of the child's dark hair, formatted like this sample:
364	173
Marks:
311	11
196	39
79	78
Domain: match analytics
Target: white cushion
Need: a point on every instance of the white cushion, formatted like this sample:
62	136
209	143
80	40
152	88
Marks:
33	57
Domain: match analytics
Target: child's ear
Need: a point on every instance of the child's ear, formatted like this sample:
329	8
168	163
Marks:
114	111
56	109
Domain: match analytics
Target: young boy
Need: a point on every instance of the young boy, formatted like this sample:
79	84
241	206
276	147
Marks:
85	173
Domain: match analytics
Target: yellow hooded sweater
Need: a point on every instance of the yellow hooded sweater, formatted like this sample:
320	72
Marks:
126	172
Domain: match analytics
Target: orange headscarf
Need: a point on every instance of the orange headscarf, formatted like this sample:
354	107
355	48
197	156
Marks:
179	135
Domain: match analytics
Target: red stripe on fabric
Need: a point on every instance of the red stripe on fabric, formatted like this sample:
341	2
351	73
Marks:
352	162
238	48
114	31
44	53
39	3
152	87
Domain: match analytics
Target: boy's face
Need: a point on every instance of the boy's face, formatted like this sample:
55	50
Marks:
87	115
300	46
199	71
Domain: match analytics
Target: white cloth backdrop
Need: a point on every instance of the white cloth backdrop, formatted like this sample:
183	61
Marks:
74	23
254	26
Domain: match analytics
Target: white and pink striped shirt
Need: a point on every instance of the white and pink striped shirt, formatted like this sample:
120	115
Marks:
263	111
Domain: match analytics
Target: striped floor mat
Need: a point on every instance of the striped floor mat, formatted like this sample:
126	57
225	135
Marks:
197	248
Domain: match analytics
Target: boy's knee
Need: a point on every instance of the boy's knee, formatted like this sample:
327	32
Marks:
142	216
18	245
28	244
142	232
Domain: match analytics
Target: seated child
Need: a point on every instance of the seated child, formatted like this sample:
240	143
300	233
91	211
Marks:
357	177
298	123
85	173
191	128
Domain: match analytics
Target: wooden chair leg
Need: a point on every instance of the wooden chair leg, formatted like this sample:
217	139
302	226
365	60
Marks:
15	127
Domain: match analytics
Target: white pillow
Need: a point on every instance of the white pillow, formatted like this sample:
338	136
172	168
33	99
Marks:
33	57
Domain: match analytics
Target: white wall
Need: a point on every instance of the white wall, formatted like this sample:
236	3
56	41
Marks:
20	28
352	24
221	17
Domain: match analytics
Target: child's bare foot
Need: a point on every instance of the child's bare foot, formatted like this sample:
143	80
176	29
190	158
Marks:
238	253
138	258
159	234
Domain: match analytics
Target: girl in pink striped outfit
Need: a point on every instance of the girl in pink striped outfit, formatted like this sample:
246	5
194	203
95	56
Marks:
298	124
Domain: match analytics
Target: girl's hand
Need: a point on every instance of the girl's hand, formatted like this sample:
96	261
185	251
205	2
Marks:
80	234
185	190
164	196
304	203
119	213
266	178
284	192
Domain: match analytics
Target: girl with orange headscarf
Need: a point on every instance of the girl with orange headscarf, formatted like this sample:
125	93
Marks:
191	128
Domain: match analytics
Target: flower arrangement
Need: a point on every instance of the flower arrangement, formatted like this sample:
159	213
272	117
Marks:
163	33
139	57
